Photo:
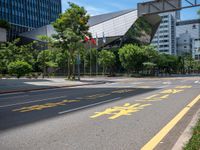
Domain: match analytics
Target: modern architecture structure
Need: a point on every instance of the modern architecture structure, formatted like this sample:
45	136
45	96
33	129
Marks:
26	15
114	29
165	37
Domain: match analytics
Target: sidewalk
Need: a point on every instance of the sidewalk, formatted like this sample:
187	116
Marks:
26	85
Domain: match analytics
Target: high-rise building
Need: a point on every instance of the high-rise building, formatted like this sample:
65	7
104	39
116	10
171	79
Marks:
25	15
165	37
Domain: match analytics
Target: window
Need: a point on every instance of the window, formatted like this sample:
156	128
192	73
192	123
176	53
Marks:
194	26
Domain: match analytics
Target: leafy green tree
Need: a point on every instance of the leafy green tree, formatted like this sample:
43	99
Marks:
149	66
90	58
19	68
106	60
11	52
71	27
47	59
168	63
132	57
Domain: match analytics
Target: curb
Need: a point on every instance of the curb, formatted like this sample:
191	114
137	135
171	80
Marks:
187	133
48	88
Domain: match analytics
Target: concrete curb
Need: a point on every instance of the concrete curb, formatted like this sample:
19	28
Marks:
187	133
48	88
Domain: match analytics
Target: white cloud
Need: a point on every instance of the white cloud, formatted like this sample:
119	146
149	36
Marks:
92	10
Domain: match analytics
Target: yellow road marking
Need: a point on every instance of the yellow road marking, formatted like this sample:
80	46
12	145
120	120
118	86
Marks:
164	131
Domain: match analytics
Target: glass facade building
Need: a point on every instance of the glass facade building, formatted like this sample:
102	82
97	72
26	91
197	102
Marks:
25	15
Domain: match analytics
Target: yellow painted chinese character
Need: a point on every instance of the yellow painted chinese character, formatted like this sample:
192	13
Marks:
44	106
183	87
156	97
118	111
171	91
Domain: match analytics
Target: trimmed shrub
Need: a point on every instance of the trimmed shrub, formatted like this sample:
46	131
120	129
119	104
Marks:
19	68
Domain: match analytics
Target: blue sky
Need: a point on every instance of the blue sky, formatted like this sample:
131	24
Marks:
95	7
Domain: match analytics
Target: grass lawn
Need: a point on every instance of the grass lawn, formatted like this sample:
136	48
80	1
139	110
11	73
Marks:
194	143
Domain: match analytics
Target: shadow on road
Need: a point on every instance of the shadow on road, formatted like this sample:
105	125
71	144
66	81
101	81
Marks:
12	116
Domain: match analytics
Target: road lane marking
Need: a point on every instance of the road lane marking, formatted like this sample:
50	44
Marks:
16	93
95	104
44	106
166	82
117	111
166	129
18	96
10	105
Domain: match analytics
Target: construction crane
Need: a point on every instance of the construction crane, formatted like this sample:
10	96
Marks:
160	6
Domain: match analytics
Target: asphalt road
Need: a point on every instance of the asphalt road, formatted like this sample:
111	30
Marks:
115	116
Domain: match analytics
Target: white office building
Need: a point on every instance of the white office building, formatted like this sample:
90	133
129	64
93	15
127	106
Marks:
184	44
188	36
165	37
196	49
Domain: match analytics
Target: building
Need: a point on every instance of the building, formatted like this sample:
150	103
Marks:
113	29
184	44
165	37
188	35
191	26
3	35
26	15
196	49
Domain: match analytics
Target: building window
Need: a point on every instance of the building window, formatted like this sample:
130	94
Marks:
194	26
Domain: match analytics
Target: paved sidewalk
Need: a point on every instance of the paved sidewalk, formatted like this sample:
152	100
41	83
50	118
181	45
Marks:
25	85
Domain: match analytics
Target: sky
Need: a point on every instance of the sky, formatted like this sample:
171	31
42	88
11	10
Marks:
96	7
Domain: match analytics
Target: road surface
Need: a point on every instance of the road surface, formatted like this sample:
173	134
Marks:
125	115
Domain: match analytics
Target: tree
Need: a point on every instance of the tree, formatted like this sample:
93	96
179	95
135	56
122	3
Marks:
19	68
71	27
132	57
11	52
106	59
90	58
47	59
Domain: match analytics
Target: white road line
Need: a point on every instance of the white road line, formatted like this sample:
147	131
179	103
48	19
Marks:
16	93
71	110
10	105
137	83
166	82
197	82
13	97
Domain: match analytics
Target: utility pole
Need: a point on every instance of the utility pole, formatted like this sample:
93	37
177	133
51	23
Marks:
90	59
78	63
